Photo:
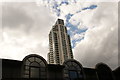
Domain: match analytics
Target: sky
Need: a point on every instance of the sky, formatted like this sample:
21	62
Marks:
92	27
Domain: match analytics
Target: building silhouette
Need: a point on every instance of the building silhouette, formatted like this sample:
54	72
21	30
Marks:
59	44
35	67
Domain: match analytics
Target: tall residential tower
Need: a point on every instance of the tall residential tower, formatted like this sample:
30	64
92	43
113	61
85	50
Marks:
59	44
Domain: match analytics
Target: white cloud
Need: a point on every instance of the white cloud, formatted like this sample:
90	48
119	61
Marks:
26	27
71	8
84	17
100	43
78	36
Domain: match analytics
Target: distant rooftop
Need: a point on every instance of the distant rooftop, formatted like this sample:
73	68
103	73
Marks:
60	21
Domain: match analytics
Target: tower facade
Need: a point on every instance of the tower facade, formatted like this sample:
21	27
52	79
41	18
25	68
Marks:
59	44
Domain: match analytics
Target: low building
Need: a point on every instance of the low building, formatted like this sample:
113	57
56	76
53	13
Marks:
35	67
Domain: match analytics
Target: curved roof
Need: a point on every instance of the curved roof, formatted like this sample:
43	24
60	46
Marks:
102	64
35	55
72	60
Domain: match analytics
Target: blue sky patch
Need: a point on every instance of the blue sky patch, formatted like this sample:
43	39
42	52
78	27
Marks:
74	29
64	2
90	7
68	16
75	41
56	9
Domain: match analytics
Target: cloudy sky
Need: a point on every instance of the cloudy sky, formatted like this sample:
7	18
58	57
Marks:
92	26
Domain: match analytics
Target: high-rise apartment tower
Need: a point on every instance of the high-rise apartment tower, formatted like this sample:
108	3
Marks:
59	44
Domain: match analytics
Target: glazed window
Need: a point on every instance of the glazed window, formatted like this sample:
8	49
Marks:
73	70
73	75
34	67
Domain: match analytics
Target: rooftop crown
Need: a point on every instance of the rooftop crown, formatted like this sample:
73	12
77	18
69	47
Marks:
60	21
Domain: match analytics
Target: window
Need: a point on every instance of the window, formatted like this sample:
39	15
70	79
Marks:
34	72
73	75
73	70
34	67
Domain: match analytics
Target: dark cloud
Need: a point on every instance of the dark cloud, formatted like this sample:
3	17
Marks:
119	33
14	17
0	22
